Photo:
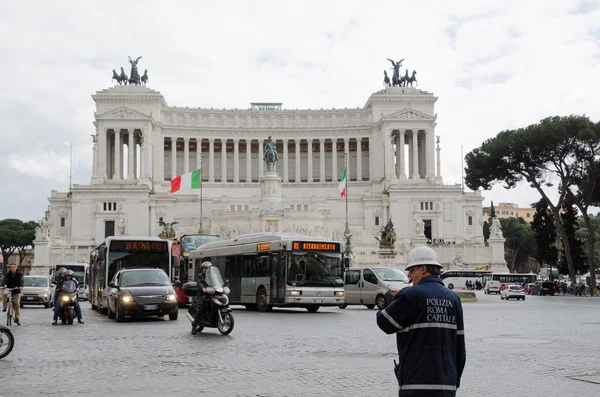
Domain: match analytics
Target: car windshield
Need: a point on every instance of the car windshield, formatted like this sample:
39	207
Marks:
213	277
391	275
35	282
315	269
516	287
189	243
138	278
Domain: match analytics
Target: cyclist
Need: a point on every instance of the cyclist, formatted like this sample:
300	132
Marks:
13	279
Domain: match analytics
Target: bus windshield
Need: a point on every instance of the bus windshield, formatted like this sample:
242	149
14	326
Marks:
190	243
118	260
315	269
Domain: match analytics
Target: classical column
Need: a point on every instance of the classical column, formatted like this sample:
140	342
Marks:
310	161
236	161
260	157
334	176
401	160
211	159
285	161
347	152
322	160
101	152
95	162
146	153
130	149
223	160
415	154
359	159
117	156
430	153
199	156
398	155
297	159
248	161
439	172
135	157
173	157
186	155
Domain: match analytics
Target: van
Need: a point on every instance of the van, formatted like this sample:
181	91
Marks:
492	287
368	286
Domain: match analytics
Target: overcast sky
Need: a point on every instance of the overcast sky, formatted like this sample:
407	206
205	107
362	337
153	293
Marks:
493	64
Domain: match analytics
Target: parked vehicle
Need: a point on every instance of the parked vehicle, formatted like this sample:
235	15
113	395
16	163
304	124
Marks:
512	291
7	341
492	287
37	290
212	308
369	286
141	292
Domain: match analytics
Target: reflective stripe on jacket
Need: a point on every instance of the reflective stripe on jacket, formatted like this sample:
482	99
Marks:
428	321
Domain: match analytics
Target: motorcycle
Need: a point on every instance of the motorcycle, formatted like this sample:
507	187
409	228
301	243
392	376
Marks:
7	341
210	309
68	302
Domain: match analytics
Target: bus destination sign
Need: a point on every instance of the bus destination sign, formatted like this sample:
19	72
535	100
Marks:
263	247
315	246
139	246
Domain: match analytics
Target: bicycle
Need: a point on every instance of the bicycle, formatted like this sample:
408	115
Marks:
7	341
10	315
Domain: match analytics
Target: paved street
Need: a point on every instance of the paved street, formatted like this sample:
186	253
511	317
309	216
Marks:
534	347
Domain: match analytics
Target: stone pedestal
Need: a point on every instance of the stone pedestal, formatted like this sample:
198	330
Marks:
41	257
496	244
419	241
388	257
270	191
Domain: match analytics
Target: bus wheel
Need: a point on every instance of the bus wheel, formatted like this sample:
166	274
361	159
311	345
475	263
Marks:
343	306
261	300
451	286
312	308
250	307
94	307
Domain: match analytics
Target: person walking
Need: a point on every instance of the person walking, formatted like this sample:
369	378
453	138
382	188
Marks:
427	319
13	279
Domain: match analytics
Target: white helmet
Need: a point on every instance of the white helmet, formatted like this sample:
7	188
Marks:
422	256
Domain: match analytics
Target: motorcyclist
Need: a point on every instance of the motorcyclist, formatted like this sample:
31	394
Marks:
202	285
69	277
61	279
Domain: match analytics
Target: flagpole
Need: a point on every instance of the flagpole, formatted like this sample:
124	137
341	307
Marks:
200	230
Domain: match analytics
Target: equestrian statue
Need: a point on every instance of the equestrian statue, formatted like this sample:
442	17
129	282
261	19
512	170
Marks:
270	156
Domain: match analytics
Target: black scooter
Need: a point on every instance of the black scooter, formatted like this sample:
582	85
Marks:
210	309
68	302
7	341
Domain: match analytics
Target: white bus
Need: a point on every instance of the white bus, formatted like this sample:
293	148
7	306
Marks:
267	270
80	273
124	252
513	278
458	278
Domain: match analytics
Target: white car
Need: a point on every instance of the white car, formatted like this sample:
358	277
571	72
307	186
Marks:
512	291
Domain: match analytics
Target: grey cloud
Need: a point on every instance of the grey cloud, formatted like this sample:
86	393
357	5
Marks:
585	7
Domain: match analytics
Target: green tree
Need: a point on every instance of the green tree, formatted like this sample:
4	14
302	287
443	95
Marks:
16	236
492	211
486	231
537	154
519	243
570	221
544	229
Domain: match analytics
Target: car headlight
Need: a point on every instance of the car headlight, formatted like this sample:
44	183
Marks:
340	293
218	302
126	298
65	298
171	297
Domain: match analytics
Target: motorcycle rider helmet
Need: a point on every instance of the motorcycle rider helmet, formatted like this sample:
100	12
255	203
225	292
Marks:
206	265
62	270
69	273
420	256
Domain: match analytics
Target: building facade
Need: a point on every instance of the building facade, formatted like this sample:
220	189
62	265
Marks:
509	210
388	146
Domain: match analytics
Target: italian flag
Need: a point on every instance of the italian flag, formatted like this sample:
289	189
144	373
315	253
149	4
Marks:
342	185
189	181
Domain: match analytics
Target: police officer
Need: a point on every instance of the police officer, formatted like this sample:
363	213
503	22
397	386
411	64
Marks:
427	319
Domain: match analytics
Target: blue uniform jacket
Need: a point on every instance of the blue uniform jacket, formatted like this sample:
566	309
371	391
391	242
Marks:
428	321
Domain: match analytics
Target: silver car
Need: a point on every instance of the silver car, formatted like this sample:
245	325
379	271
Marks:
37	290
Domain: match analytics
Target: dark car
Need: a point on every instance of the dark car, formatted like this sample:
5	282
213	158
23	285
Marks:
543	288
141	293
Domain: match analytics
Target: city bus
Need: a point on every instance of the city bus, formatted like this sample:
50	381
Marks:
513	278
267	270
124	252
457	278
80	273
188	243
